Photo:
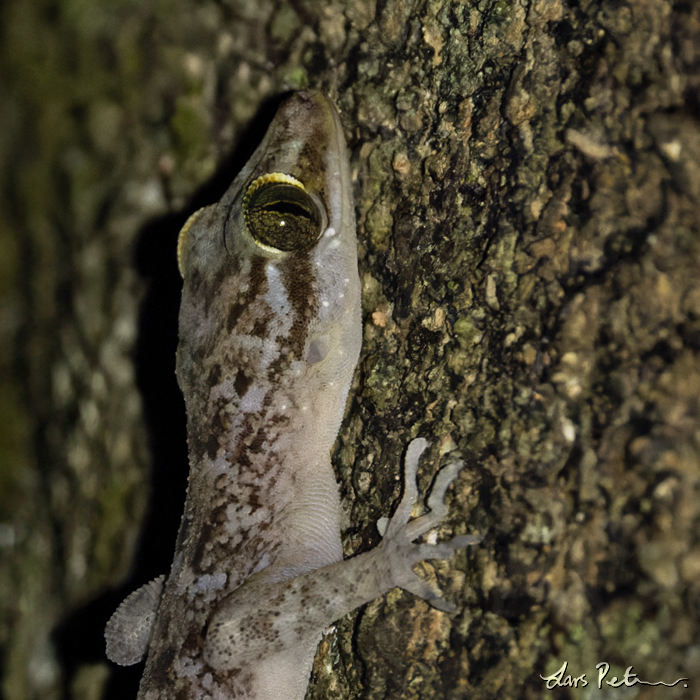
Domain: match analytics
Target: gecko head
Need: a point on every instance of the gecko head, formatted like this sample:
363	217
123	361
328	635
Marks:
270	272
293	194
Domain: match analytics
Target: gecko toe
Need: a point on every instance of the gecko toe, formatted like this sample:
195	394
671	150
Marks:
421	589
403	512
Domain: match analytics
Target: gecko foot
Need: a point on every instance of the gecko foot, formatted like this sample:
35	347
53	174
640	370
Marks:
398	541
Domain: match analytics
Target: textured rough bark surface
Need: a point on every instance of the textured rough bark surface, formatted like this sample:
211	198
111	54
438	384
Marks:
528	201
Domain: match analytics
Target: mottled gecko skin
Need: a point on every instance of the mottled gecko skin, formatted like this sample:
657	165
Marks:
270	332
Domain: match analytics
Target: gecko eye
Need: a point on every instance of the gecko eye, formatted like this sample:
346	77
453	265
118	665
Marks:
280	214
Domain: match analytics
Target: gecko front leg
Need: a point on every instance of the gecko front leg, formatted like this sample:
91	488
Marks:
284	625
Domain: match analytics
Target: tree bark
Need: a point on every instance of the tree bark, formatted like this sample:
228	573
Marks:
528	203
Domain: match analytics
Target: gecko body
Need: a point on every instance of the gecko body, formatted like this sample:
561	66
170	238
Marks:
270	333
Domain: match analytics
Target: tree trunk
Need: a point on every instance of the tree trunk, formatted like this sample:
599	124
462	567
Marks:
528	203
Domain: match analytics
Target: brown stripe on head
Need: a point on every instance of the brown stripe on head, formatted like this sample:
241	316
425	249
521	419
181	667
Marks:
299	281
254	290
300	134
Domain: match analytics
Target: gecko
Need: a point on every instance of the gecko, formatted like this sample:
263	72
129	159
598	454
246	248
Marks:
270	329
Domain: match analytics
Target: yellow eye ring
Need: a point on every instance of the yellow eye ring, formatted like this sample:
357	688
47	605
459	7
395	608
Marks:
280	214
